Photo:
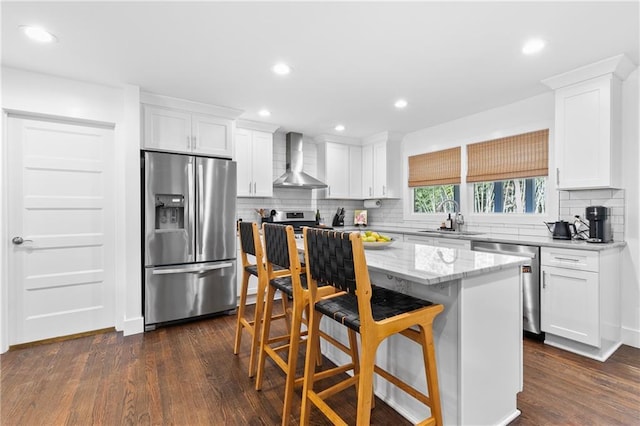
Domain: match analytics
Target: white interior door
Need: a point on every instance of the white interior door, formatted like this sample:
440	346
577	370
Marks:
61	226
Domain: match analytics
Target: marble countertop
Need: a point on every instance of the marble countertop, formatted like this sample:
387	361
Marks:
430	265
515	239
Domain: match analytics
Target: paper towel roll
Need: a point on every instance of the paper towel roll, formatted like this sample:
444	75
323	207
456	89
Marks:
372	204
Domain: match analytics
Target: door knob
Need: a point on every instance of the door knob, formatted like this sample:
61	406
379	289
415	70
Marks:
18	240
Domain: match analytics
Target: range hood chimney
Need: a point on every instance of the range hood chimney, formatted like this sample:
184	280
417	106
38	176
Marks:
294	177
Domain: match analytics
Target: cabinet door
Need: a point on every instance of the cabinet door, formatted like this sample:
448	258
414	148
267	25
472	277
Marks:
583	135
380	169
262	170
367	171
355	172
211	135
569	304
166	129
337	170
243	157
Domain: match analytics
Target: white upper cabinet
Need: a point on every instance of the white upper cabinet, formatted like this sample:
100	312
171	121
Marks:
178	125
212	135
588	124
166	129
381	167
340	164
254	158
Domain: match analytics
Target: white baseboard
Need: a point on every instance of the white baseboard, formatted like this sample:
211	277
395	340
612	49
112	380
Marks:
631	337
133	326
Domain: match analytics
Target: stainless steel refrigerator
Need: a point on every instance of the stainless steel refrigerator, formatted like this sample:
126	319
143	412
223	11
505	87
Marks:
189	240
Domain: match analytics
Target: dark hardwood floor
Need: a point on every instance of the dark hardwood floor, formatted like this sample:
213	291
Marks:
187	375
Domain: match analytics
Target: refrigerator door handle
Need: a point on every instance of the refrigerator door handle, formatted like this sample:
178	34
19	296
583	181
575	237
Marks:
190	206
200	206
197	269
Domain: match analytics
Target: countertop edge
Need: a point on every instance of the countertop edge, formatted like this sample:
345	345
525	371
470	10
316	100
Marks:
523	240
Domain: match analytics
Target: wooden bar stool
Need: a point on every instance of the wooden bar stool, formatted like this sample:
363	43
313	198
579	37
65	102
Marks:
338	259
250	244
281	251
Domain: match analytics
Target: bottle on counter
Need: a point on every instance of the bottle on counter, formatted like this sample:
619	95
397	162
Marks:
318	217
448	224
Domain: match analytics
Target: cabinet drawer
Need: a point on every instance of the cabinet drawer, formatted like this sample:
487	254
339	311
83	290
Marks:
573	259
452	243
418	239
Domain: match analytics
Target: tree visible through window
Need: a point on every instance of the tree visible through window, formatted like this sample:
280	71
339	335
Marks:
510	196
426	199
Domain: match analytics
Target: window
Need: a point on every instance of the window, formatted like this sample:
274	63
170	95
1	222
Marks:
426	199
435	177
509	174
510	196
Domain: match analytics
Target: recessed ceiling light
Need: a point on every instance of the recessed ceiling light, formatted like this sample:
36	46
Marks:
533	46
38	34
264	113
281	69
339	128
400	103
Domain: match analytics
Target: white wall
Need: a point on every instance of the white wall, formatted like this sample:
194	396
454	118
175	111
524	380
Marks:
34	93
631	178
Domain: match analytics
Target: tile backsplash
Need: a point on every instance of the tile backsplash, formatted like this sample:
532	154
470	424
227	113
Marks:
574	203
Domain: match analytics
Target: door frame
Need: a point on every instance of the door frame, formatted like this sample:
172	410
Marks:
4	213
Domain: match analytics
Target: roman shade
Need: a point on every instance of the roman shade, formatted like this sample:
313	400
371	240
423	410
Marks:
514	157
435	168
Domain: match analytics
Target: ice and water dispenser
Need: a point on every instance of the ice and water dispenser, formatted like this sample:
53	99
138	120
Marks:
169	211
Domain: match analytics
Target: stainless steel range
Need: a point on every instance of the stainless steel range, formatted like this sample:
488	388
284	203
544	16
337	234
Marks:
295	218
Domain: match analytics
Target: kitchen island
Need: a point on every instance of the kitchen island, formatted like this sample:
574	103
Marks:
478	336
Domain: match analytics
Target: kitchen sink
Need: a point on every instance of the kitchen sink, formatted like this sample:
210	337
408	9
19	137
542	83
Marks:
443	232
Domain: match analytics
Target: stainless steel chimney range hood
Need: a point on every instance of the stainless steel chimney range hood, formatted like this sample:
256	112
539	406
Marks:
294	177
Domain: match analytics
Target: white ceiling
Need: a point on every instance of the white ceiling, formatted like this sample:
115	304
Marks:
351	60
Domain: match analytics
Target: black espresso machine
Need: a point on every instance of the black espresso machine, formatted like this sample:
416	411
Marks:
599	218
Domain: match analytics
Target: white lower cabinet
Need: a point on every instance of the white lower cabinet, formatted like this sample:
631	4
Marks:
580	300
570	304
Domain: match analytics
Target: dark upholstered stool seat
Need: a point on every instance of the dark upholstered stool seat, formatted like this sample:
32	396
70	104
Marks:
253	269
285	285
385	303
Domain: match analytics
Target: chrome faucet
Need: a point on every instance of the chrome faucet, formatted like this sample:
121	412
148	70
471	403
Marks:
459	219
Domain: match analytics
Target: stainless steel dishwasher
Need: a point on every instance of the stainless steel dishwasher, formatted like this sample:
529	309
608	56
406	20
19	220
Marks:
530	279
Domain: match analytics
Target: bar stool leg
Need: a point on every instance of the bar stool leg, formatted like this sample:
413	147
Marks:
431	371
292	360
257	327
240	313
266	329
313	344
365	381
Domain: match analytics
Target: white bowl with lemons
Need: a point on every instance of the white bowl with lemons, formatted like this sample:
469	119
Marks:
375	240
